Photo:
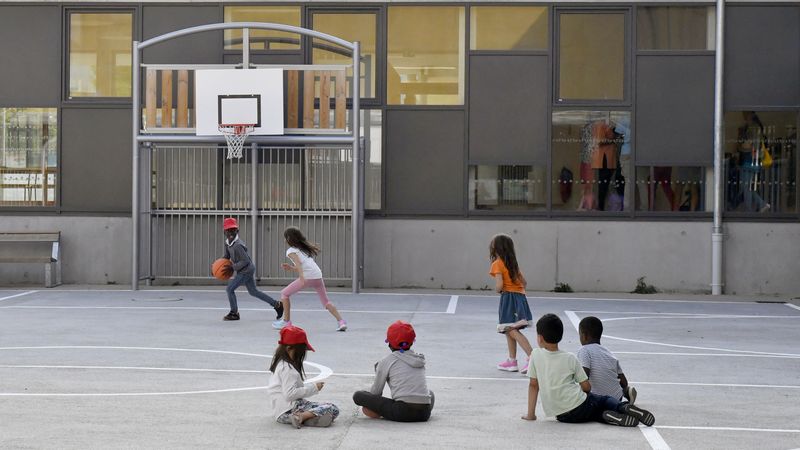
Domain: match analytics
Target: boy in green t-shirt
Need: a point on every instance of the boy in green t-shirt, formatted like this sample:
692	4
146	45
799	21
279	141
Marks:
564	386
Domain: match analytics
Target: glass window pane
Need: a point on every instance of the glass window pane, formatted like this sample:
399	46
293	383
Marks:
675	28
263	39
350	27
508	28
591	160
591	57
663	188
100	54
761	161
426	55
28	156
372	131
507	188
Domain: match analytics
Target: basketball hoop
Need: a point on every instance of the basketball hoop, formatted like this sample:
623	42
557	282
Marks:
236	134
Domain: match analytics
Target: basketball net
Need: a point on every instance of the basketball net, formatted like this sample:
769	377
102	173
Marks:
236	135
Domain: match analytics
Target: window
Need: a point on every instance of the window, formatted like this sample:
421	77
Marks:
28	156
675	28
508	28
509	188
761	161
372	130
263	39
591	56
100	54
426	54
350	27
591	160
663	188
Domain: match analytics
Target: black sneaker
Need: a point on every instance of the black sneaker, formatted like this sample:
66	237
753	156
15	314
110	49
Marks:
619	419
644	416
630	394
231	316
279	310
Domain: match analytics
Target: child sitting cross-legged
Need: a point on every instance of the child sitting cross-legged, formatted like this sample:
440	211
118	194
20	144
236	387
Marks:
565	389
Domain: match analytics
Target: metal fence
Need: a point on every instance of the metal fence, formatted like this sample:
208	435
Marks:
270	188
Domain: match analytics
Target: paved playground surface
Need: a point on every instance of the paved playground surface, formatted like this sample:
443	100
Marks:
158	368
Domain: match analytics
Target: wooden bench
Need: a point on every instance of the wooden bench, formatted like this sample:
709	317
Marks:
27	251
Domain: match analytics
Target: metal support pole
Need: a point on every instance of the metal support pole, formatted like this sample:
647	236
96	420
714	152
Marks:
254	202
717	234
356	130
137	114
245	48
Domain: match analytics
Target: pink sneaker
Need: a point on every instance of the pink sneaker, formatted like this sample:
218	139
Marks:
509	365
524	369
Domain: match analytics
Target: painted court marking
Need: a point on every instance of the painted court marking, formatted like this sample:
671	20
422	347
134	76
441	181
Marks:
201	308
654	438
17	295
451	307
793	306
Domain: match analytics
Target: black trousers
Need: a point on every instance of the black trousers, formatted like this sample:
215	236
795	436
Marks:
394	410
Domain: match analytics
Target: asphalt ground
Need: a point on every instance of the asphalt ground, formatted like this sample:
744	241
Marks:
90	368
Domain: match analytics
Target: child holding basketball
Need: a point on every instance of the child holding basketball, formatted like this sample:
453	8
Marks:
236	251
404	371
286	391
600	365
514	312
302	253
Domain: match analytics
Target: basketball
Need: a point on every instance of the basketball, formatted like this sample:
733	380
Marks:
222	269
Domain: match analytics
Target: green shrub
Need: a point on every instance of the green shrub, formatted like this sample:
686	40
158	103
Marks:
643	288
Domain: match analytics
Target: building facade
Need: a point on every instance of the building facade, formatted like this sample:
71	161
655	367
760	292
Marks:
583	130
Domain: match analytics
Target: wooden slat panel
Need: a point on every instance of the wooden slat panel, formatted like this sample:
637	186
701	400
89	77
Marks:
308	98
150	102
166	98
325	99
340	114
293	97
182	120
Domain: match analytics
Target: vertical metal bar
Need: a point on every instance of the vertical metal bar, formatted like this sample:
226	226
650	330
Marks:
356	278
717	232
245	48
253	204
135	169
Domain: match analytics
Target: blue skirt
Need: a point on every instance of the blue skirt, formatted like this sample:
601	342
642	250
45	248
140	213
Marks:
514	312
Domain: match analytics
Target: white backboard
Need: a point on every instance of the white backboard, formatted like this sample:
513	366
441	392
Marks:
234	96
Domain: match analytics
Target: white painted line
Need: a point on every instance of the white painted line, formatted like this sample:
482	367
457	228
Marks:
710	316
162	349
793	306
451	307
654	438
199	308
733	355
17	295
573	318
716	349
125	394
165	369
761	430
766	386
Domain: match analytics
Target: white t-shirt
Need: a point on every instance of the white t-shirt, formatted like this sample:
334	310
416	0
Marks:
311	270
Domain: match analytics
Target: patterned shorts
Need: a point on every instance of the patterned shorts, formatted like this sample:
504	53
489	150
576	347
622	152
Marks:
303	405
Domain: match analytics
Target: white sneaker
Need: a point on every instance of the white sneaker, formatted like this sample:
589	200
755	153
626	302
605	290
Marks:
342	325
765	208
279	324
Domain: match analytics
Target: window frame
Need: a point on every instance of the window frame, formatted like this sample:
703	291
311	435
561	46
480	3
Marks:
292	52
135	13
651	52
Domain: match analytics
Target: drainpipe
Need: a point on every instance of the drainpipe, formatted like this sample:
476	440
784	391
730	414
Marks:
717	231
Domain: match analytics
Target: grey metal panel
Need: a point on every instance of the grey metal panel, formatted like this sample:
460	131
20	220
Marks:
96	160
424	161
508	104
762	56
200	48
674	110
32	76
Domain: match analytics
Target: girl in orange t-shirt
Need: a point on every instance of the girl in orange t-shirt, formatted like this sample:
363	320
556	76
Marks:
514	313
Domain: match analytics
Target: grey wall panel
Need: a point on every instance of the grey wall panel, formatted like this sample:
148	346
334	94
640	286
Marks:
674	110
96	160
762	56
424	161
30	71
200	48
508	104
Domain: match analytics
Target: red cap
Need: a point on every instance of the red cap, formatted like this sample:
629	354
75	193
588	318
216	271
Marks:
229	223
400	335
291	335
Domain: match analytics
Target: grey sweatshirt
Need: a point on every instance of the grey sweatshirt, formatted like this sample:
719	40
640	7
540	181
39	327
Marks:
405	373
237	253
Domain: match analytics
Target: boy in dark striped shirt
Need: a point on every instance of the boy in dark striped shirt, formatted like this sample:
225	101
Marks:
602	367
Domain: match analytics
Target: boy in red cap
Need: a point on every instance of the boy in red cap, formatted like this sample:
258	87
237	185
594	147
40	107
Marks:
236	251
404	371
286	389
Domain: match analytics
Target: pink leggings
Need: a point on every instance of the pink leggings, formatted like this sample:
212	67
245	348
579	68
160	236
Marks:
298	284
